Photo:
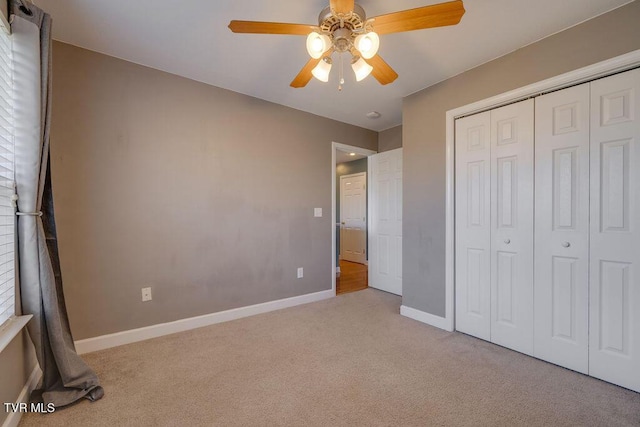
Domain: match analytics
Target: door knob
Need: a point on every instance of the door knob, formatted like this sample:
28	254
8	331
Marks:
507	241
343	223
566	244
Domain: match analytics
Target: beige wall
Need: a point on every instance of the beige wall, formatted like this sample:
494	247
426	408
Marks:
17	361
390	139
604	37
4	9
203	194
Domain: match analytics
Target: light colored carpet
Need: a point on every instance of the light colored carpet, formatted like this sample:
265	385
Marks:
350	360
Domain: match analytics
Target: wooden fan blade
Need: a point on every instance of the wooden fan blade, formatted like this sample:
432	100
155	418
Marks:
256	27
437	15
342	6
304	76
382	71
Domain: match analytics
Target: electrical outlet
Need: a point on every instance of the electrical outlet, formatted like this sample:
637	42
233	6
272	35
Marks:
317	212
146	294
300	272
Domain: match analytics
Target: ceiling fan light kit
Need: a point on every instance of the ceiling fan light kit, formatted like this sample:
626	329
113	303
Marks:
322	70
343	27
317	44
361	68
367	44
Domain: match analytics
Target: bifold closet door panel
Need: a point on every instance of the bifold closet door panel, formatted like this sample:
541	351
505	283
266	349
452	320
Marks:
614	333
561	259
473	229
512	226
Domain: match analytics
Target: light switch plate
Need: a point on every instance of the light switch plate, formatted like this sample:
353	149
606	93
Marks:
317	212
300	272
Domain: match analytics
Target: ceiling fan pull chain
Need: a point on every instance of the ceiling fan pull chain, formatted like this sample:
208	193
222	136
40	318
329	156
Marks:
341	78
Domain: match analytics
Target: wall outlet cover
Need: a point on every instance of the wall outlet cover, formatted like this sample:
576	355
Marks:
300	272
146	294
317	212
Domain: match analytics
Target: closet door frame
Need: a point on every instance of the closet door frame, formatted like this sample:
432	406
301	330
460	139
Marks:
585	74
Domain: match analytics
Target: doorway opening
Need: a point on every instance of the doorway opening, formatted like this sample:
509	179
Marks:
350	218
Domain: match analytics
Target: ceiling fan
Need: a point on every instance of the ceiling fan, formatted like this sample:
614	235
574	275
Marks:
343	27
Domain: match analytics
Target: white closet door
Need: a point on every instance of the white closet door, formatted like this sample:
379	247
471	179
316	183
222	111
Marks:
473	225
561	291
614	348
385	221
512	226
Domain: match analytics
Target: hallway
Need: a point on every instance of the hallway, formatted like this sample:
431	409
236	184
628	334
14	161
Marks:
353	277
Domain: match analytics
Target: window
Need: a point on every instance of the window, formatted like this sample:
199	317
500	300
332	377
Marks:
7	212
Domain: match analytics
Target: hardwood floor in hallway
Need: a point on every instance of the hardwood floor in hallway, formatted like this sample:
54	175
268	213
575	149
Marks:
353	277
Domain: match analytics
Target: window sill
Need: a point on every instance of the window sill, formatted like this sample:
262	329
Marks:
12	328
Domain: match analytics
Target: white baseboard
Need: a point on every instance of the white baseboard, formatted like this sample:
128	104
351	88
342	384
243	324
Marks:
14	417
424	317
134	335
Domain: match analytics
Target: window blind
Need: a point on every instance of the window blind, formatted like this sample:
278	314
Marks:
7	211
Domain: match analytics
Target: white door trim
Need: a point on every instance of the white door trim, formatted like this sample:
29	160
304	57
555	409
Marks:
581	75
352	149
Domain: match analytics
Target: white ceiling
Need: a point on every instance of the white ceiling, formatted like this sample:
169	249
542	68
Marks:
190	38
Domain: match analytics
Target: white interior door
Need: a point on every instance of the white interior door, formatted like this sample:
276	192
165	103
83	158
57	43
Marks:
473	225
385	221
512	226
353	217
561	260
614	347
